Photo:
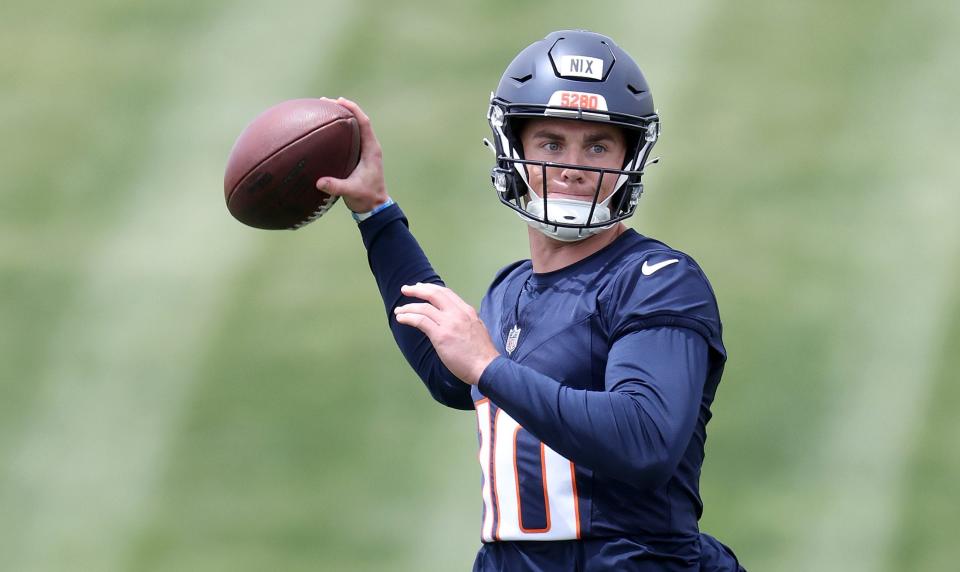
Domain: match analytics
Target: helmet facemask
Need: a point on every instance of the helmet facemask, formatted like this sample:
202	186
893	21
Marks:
561	218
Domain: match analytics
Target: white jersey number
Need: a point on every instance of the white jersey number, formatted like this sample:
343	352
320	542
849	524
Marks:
558	511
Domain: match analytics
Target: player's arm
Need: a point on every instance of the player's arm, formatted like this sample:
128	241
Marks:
638	430
395	258
639	427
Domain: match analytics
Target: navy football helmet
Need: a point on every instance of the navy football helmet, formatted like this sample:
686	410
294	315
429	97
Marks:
577	75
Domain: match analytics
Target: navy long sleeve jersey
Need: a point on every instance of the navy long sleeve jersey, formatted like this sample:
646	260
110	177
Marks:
594	424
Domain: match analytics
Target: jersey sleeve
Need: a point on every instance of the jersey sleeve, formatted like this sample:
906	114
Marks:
664	288
396	259
635	431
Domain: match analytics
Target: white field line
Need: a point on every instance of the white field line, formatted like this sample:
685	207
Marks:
895	332
123	362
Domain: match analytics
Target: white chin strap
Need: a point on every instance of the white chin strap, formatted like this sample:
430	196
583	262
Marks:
567	211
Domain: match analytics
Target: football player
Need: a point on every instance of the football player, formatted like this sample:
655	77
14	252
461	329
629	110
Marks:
591	366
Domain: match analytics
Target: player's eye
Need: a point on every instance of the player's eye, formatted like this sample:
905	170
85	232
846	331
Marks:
551	146
598	149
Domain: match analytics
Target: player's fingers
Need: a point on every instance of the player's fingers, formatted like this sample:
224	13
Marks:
369	145
453	300
456	301
428	310
426	291
331	186
447	299
440	296
418	321
354	108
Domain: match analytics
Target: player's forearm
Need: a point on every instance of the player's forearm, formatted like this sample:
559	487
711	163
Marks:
606	432
637	432
394	255
396	259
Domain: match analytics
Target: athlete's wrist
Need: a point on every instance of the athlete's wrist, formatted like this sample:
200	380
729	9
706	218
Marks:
378	206
479	367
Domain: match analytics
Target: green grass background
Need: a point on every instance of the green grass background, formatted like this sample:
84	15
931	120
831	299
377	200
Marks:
179	392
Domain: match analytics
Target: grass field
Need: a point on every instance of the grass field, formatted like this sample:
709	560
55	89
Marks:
179	392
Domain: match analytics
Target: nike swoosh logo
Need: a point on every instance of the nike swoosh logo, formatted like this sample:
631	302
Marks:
649	269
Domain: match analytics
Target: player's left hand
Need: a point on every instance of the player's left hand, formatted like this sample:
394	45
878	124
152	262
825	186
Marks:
454	329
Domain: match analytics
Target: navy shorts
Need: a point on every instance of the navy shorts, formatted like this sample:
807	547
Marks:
623	554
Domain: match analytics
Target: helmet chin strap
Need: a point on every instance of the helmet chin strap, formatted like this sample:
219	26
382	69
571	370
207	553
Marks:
566	211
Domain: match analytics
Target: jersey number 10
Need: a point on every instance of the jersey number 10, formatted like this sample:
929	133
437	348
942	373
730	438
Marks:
529	490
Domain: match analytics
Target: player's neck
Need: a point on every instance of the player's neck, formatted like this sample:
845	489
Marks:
548	254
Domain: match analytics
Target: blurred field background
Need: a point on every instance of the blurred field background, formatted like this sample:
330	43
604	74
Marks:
180	392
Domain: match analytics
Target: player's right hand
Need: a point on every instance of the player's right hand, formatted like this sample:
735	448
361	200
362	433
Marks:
365	188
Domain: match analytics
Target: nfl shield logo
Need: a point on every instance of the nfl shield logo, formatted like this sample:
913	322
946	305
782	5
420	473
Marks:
512	338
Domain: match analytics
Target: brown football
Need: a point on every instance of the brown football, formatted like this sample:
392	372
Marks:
275	163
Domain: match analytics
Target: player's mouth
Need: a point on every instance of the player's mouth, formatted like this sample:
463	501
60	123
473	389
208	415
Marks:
570	195
578	191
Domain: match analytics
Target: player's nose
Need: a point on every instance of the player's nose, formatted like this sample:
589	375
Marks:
569	175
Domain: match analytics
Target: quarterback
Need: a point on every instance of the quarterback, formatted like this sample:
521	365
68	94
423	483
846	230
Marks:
591	367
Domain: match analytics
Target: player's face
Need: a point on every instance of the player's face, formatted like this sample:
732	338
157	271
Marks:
576	143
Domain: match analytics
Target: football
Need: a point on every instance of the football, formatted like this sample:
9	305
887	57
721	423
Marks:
277	159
